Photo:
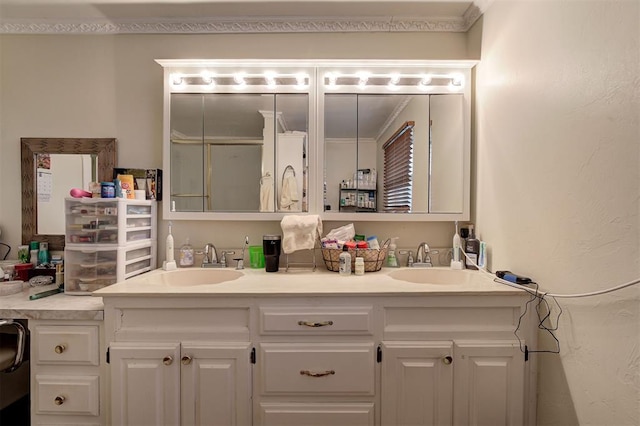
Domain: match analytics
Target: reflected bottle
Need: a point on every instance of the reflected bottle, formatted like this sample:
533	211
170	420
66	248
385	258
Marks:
43	253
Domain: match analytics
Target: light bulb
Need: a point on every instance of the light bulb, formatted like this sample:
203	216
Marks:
240	81
207	78
176	79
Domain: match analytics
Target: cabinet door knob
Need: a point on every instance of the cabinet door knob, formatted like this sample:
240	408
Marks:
315	324
59	400
60	348
447	360
186	360
167	360
317	374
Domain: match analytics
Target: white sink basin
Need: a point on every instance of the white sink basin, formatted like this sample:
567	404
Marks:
438	276
194	277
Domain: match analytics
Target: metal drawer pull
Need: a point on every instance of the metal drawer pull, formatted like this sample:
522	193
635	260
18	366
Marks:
447	360
312	374
315	324
60	348
186	360
59	400
167	360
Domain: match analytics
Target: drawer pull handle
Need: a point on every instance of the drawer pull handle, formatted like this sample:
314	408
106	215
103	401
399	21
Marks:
60	348
186	360
447	360
321	374
315	324
59	400
167	360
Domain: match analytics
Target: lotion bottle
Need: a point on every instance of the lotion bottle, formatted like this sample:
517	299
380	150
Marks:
345	261
392	260
170	262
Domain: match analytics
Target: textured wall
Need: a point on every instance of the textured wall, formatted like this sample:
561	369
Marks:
557	188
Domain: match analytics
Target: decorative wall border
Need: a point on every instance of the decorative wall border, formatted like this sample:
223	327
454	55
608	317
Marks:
246	25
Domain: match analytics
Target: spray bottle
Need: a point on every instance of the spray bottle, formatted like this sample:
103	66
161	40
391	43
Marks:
392	260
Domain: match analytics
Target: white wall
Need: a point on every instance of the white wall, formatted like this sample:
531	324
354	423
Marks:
110	86
557	189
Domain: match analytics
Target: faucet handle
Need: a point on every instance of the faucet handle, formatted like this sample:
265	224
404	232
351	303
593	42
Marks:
409	257
223	260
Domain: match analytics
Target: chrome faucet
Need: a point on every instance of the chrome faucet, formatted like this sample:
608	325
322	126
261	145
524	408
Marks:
210	259
240	260
422	256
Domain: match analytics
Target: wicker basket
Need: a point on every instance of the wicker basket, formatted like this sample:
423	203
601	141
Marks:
373	258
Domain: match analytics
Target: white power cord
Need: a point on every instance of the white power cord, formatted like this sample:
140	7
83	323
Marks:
542	293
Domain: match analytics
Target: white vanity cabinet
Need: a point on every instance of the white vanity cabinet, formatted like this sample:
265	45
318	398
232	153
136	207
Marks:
370	359
174	361
67	368
316	363
454	360
180	383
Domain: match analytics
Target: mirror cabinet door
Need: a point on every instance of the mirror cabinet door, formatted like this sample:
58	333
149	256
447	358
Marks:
242	152
394	153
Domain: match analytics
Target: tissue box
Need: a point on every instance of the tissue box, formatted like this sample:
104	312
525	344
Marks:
148	179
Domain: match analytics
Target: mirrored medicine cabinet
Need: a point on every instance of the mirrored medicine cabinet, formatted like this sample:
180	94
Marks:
365	141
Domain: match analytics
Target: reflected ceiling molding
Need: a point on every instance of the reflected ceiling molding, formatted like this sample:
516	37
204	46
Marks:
245	25
394	114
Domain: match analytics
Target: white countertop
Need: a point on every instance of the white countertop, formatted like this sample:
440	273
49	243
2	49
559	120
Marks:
304	282
252	282
59	306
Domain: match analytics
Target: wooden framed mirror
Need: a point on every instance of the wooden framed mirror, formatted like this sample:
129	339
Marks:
103	153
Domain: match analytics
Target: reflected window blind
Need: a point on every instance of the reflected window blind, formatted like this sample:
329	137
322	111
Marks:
398	169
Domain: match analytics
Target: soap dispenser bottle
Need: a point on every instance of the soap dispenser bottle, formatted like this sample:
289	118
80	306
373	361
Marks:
186	255
392	260
472	248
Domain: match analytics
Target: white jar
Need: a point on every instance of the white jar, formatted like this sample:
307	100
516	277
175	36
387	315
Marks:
359	266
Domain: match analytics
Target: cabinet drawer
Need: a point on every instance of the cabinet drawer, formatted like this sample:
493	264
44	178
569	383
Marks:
69	395
317	368
307	320
66	345
316	414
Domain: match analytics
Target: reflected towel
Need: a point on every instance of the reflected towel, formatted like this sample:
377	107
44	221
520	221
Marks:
300	232
266	193
289	194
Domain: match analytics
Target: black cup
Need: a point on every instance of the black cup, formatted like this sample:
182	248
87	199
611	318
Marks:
271	245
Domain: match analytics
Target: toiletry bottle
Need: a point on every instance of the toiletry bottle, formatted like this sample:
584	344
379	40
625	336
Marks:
345	261
359	266
43	253
472	248
392	260
186	254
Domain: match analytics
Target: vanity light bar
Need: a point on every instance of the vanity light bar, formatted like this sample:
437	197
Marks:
241	80
394	80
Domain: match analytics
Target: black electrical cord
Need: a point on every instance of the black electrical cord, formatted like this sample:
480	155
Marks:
8	250
542	318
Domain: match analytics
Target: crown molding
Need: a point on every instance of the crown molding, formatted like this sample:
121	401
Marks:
246	25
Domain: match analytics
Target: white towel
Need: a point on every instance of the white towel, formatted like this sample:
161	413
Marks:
289	194
300	232
266	193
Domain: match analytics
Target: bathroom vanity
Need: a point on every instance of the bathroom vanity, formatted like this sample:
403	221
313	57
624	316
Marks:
401	346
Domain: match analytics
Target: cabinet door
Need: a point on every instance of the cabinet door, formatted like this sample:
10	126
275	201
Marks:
488	383
417	383
216	384
145	383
